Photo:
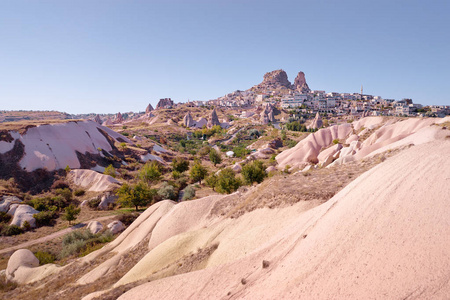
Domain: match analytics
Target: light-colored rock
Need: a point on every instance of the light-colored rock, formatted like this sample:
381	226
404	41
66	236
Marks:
7	201
188	121
308	149
201	122
106	199
12	209
24	213
93	181
329	151
20	258
94	226
327	161
229	153
116	227
214	119
236	168
317	122
271	169
353	137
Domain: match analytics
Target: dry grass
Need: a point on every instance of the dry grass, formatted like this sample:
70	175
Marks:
282	190
23	125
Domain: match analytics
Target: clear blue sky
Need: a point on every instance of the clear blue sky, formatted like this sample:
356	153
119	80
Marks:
107	56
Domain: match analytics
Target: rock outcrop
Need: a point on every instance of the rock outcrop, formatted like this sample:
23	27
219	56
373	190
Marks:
149	108
300	83
93	181
164	103
317	122
24	213
119	118
7	201
188	121
94	226
274	80
20	258
55	146
98	119
214	119
267	115
115	227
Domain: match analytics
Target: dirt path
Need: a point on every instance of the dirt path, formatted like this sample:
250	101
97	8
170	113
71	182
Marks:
52	236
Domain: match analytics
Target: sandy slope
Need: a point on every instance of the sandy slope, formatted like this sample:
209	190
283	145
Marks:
386	235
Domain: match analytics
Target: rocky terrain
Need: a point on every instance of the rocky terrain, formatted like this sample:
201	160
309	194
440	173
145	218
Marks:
353	210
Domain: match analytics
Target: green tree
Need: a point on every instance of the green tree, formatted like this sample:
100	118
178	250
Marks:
135	195
227	181
71	213
253	172
215	157
110	171
180	164
211	181
151	171
198	172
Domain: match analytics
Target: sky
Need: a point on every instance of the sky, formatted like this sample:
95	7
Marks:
83	56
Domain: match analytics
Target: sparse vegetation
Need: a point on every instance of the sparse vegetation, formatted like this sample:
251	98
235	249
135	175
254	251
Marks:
227	182
135	195
254	172
71	213
150	172
198	172
110	170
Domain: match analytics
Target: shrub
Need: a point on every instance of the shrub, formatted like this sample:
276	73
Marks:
110	170
94	203
253	172
45	218
204	151
26	226
336	141
45	257
151	171
79	192
227	181
198	172
166	191
128	218
65	193
4	217
176	174
67	169
60	184
215	157
10	230
241	151
211	181
180	164
189	193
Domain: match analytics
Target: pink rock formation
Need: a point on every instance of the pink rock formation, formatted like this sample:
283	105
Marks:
149	108
98	119
164	103
214	119
188	121
274	80
119	119
300	83
317	122
309	148
267	114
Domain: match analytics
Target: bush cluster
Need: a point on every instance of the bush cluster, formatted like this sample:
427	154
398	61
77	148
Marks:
79	241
